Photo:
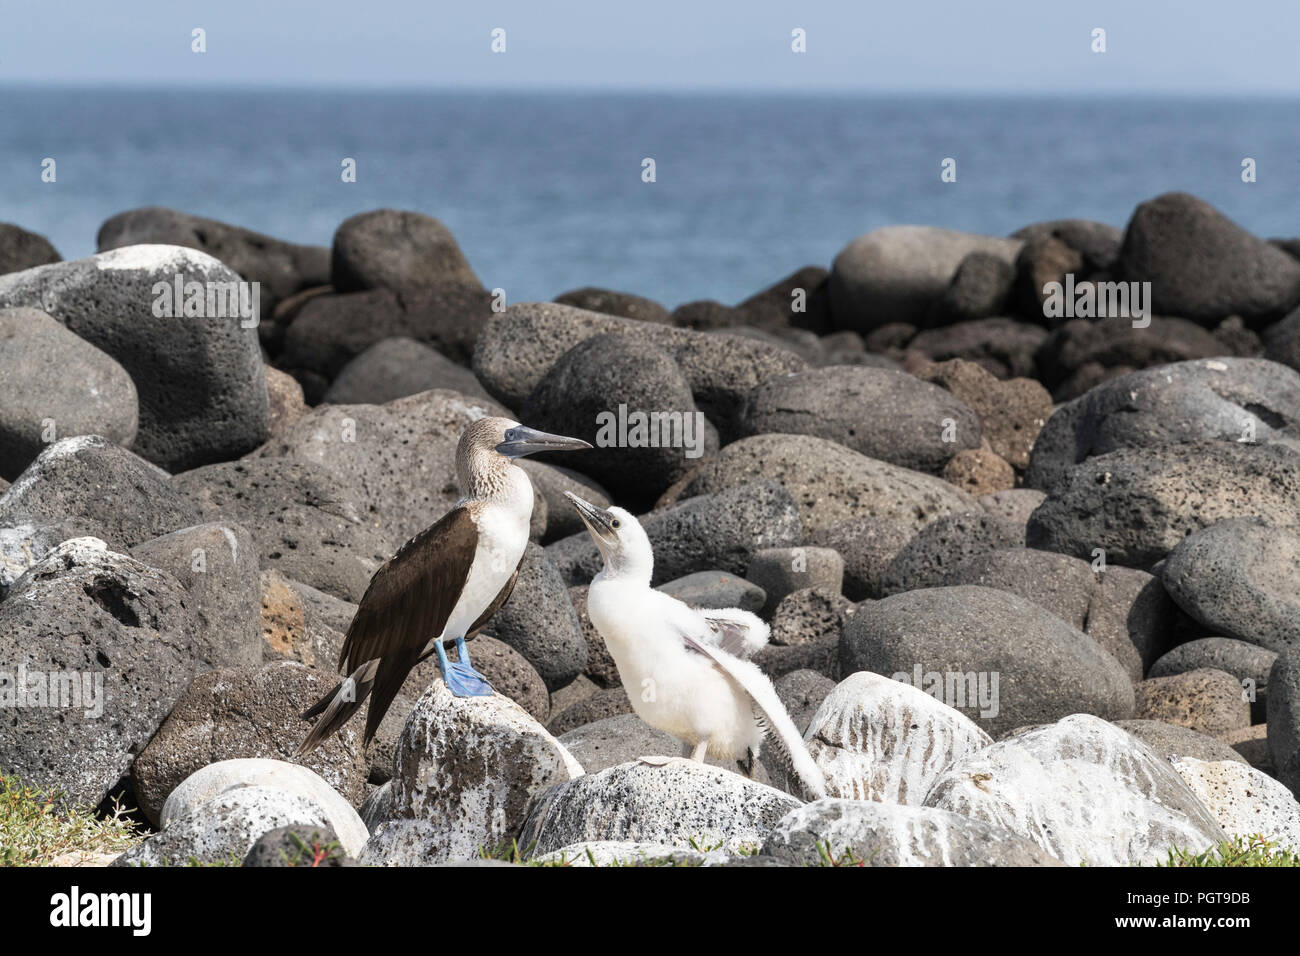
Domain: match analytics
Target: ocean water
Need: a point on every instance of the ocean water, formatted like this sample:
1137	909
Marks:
544	191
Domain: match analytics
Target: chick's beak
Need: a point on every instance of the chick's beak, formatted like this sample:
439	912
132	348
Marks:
598	521
522	440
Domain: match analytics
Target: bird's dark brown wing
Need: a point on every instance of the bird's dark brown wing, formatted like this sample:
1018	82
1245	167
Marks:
407	604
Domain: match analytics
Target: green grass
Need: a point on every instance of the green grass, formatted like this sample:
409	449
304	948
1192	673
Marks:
36	828
1239	851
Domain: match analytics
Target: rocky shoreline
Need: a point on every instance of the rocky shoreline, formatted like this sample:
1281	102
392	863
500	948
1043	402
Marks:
1023	514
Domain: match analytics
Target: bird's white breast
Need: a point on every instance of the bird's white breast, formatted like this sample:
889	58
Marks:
502	524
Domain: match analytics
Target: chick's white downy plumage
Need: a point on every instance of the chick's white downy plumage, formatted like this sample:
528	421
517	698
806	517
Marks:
687	672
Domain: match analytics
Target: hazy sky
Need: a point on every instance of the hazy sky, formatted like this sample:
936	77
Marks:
1191	46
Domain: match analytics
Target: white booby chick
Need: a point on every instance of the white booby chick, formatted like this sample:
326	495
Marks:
444	584
685	671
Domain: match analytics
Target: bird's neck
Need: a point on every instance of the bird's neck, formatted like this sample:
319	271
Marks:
634	575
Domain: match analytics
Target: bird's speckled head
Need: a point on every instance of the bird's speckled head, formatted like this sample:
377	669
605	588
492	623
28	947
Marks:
488	447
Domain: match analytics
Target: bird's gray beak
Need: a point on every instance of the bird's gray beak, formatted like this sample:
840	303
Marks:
522	440
598	521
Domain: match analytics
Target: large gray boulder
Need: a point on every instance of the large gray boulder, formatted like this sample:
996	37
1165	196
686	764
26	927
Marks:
124	498
1202	265
1137	504
99	647
305	521
1237	578
397	460
1225	399
1002	661
224	776
21	249
282	268
1124	610
539	621
895	273
587	391
517	347
1283	717
945	545
200	379
54	384
217	565
886	415
829	483
396	367
248	712
398	250
224	829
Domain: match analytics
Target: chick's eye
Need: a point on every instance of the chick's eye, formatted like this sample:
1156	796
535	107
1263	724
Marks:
614	523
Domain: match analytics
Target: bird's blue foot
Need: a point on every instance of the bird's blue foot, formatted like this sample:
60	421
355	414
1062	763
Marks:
460	677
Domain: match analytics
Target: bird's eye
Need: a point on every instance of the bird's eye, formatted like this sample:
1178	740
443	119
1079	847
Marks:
614	523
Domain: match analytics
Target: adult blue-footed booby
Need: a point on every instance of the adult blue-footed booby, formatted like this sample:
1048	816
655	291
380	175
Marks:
443	584
685	671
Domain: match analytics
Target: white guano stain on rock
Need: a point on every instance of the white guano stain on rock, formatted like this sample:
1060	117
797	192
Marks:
1084	790
470	767
1244	800
880	739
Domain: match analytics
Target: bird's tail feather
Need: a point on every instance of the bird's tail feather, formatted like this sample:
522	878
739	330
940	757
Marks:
338	706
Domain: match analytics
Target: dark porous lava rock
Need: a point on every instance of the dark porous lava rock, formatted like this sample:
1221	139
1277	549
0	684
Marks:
517	348
248	712
201	382
20	249
1137	504
1207	700
978	290
539	620
1238	578
1003	346
828	482
397	367
801	300
611	384
217	565
1249	663
1045	668
887	415
55	383
623	304
332	330
306	523
125	498
1228	399
1083	353
112	640
944	545
397	250
1097	242
1204	267
282	268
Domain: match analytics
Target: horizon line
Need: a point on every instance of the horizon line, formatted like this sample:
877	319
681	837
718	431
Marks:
615	89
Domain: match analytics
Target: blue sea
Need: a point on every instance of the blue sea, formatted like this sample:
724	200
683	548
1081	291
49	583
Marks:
544	190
